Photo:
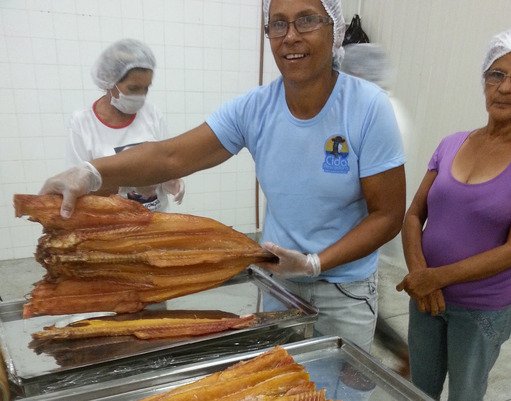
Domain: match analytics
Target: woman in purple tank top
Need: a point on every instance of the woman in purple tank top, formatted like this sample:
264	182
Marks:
457	245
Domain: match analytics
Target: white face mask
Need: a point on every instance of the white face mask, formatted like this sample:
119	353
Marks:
127	104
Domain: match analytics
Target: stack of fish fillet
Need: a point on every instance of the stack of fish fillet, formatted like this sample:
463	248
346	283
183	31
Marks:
115	255
272	376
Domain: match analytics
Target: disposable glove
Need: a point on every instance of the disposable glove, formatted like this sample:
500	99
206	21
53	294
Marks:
72	184
175	188
292	263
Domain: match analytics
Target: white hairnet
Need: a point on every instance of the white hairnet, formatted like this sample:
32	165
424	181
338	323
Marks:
370	62
499	46
117	59
334	10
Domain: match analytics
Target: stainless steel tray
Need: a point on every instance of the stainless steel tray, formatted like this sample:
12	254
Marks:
40	367
344	370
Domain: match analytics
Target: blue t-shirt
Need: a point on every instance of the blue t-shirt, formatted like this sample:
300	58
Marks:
310	170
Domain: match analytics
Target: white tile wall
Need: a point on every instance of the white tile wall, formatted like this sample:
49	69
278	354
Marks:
207	52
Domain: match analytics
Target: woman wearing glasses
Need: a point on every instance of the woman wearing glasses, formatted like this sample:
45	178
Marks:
328	157
460	262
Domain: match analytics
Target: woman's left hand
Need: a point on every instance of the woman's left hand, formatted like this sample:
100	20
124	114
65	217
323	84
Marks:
419	283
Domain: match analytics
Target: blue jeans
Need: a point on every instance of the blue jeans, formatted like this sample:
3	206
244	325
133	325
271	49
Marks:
464	342
347	310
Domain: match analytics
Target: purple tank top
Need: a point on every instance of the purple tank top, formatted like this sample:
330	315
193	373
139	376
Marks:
464	220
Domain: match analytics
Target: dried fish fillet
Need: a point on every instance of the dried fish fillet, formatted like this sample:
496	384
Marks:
86	351
144	329
272	376
114	255
91	211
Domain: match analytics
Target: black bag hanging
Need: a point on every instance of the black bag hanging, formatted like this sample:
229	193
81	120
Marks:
355	33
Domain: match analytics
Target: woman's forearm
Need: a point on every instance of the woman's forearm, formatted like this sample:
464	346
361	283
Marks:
385	198
413	224
130	167
411	236
173	158
372	232
477	267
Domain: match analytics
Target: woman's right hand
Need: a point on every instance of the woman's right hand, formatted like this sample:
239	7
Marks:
421	285
420	282
72	184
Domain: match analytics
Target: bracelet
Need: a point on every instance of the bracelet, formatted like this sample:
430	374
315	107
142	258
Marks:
314	261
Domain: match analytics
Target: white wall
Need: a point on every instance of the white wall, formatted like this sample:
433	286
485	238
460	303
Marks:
207	52
437	48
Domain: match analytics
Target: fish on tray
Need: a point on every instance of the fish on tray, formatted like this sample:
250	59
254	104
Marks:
159	324
271	376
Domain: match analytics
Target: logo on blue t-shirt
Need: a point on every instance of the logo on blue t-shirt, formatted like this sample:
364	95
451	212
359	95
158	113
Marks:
336	155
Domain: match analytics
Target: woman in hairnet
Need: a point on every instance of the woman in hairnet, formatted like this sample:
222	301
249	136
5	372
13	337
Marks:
459	264
328	157
369	61
122	118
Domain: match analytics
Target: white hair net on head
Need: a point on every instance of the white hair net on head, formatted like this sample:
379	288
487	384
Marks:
370	62
117	59
334	10
499	46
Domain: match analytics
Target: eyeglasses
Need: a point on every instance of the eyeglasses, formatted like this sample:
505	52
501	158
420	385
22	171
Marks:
308	23
495	77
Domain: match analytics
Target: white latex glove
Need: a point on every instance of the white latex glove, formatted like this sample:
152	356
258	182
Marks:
292	263
175	188
72	184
